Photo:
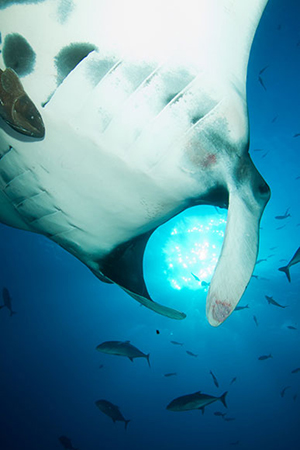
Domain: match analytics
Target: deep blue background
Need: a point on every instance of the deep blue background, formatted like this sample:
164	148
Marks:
49	369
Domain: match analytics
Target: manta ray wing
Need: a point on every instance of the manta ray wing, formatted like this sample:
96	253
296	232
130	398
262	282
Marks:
145	115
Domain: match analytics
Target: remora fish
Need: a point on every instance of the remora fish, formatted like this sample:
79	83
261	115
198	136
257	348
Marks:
296	370
271	301
7	301
110	96
233	380
194	401
120	348
295	259
214	378
170	374
111	411
16	108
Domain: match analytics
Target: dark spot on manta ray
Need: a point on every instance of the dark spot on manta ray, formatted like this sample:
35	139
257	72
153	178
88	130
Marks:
196	119
69	57
171	97
5	3
97	69
18	54
264	188
64	10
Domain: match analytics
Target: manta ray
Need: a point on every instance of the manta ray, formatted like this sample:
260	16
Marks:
115	117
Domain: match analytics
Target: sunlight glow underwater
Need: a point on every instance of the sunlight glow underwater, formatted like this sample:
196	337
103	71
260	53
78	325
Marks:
192	247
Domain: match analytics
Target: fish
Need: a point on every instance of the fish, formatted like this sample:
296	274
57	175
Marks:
229	419
214	379
291	327
262	82
191	353
170	374
235	443
295	397
261	260
220	414
286	269
255	320
120	348
177	343
195	276
93	184
271	301
284	216
194	401
16	108
233	380
264	357
7	301
296	370
274	119
239	308
280	228
283	390
263	69
296	135
66	443
111	411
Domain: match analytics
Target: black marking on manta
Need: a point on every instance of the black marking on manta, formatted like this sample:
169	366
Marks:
5	3
18	54
70	56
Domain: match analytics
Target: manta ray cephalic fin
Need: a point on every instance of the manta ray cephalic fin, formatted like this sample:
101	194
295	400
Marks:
240	246
124	266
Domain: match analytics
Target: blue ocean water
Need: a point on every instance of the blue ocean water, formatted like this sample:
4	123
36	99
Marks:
50	372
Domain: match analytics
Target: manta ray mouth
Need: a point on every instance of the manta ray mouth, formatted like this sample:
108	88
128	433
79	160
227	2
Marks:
248	197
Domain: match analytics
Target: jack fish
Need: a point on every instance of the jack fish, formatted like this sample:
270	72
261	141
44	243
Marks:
194	401
111	411
120	348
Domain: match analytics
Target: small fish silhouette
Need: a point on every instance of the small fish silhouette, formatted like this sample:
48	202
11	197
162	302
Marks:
191	353
262	83
264	357
283	390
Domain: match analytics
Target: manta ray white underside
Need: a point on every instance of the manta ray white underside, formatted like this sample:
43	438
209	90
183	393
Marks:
145	114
